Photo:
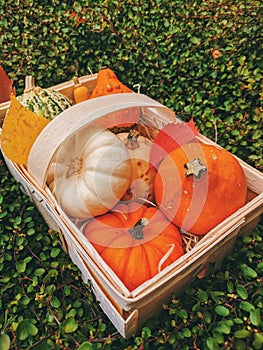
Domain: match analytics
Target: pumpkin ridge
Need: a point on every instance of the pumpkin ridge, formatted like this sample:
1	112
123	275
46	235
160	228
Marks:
119	265
152	266
101	183
140	260
206	201
141	271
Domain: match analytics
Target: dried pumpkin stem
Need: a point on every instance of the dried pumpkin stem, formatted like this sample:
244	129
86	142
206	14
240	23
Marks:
137	230
74	167
132	139
30	84
76	81
195	168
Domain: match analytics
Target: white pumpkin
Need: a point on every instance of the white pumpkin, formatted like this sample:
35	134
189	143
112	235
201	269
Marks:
142	175
90	172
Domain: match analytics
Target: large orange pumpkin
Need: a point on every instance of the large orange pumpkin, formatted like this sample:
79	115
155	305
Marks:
170	137
136	241
199	185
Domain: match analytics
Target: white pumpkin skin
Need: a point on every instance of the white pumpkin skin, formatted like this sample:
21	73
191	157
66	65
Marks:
142	174
91	172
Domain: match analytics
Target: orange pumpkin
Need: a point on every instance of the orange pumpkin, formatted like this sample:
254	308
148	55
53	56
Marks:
121	120
135	241
199	185
170	137
108	83
80	92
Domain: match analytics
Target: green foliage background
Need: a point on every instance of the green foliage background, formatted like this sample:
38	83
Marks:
204	60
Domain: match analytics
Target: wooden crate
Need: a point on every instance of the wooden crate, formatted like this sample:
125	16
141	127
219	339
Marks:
127	310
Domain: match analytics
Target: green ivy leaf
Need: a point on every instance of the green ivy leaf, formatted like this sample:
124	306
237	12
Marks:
32	329
31	231
4	341
257	134
21	266
67	290
230	287
242	333
195	40
71	325
242	292
254	316
145	333
222	310
182	313
246	306
55	252
208	317
238	320
223	327
86	346
22	332
186	332
55	302
248	271
39	272
26	328
202	296
258	341
3	214
212	344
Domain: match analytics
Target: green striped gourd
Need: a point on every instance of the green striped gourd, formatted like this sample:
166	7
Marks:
46	102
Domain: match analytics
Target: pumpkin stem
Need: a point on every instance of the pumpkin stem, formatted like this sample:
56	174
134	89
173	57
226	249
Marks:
76	81
136	230
30	84
196	168
132	139
138	86
75	167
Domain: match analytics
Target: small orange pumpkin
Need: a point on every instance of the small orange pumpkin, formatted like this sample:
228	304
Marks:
135	241
80	92
108	83
199	185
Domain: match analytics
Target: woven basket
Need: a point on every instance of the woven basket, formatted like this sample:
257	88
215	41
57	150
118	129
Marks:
127	310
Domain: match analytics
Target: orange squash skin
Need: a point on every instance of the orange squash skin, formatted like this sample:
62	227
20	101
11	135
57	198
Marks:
80	92
134	260
196	205
108	83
